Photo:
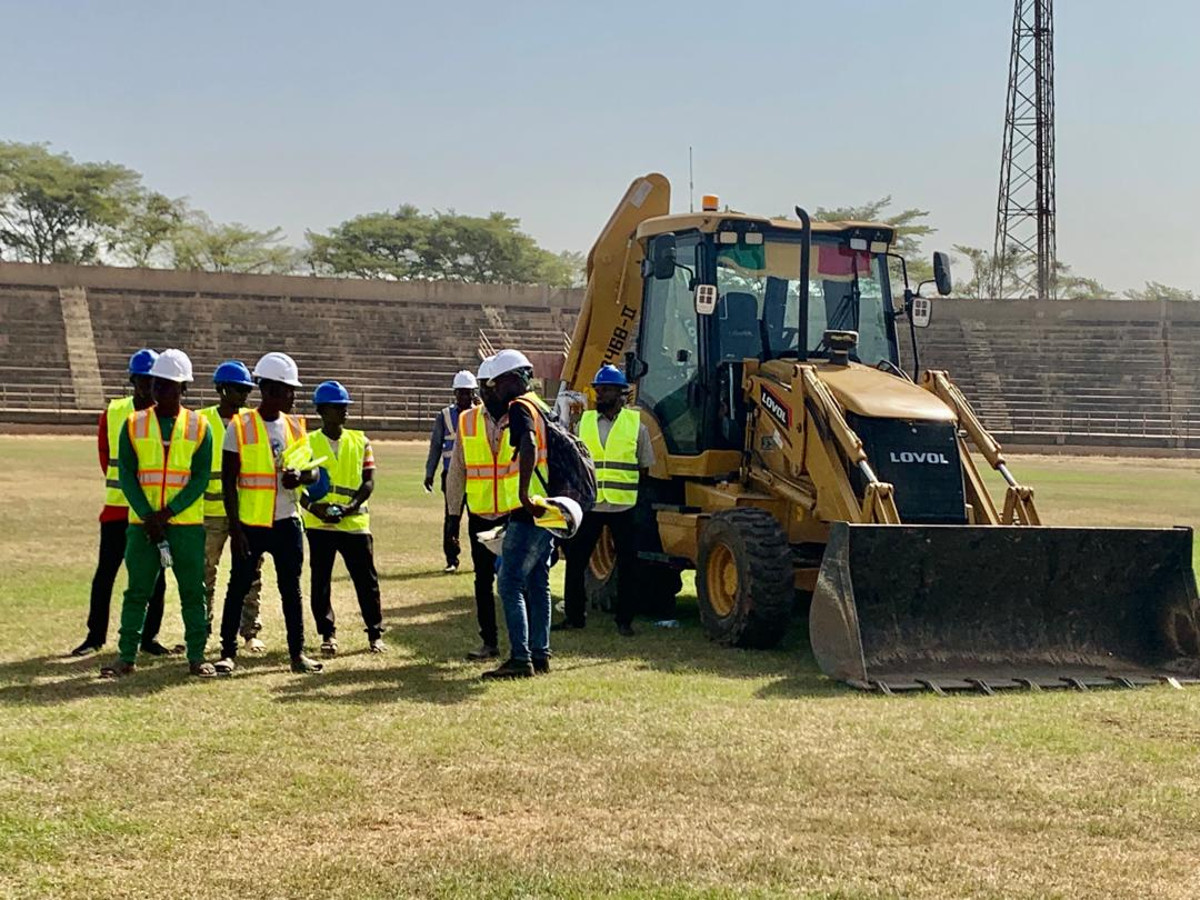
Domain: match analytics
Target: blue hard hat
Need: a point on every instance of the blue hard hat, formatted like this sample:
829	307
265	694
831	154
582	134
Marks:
331	392
319	489
142	362
233	372
610	374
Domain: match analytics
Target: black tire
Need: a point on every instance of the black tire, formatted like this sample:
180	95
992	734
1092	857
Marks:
750	545
657	584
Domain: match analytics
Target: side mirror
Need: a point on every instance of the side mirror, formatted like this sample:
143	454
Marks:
706	299
634	368
941	274
922	311
662	256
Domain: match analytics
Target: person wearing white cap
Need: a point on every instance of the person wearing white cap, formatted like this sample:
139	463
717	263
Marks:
441	447
483	427
524	579
165	458
259	484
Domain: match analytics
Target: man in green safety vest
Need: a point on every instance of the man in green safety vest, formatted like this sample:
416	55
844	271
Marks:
337	521
620	447
165	457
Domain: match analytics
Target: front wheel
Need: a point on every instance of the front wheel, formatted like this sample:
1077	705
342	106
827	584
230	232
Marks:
744	579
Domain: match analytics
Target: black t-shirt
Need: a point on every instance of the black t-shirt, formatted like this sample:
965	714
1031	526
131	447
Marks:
521	423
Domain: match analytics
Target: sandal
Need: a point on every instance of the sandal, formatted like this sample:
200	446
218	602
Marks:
117	670
255	646
203	669
224	666
329	647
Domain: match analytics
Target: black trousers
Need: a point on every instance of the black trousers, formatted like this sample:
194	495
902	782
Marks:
484	564
579	551
112	555
451	525
284	540
358	553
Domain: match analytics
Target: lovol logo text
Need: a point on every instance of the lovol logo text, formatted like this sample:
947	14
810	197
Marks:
929	459
777	408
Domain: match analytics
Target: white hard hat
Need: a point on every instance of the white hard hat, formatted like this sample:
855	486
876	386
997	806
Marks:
508	361
278	367
172	365
571	513
485	368
465	379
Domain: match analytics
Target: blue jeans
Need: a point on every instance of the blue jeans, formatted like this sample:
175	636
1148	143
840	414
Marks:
524	586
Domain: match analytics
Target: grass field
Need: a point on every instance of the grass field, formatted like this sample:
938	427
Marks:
659	766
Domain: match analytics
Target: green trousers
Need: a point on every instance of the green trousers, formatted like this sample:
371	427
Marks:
142	565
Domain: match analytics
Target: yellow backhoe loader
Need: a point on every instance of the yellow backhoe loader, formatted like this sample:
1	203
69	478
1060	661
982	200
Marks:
797	460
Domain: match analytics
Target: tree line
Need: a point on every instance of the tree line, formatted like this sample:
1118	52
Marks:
54	209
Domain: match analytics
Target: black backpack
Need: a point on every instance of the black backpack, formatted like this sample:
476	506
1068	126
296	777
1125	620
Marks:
572	472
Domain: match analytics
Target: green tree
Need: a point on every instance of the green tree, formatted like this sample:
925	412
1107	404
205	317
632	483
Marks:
202	244
445	246
1157	291
145	236
54	209
375	245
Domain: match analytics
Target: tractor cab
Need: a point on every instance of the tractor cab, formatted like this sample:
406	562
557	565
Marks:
720	289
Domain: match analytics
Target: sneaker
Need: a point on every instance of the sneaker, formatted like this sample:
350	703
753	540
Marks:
87	648
377	645
329	647
568	625
541	666
484	651
302	665
225	666
511	668
625	630
450	569
154	648
255	646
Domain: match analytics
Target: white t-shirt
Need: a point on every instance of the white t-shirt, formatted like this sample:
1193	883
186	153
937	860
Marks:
285	500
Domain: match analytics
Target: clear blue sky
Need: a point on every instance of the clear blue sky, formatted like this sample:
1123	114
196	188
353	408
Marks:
302	114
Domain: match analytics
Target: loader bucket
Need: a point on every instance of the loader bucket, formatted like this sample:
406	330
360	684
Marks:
946	607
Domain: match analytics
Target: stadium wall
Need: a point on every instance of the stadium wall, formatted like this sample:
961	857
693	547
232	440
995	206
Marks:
1101	373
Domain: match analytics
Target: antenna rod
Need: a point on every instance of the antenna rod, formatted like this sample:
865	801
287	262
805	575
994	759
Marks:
691	184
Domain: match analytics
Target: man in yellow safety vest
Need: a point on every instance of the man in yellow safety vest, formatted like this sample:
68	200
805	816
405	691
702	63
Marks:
233	383
114	517
524	578
338	520
620	447
165	457
259	483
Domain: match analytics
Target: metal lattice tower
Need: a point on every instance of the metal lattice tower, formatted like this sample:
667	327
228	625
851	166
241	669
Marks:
1025	214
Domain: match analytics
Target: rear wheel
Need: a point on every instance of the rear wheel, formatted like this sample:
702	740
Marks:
744	578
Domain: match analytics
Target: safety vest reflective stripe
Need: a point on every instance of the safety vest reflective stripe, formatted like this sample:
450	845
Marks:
256	482
617	469
115	417
163	475
345	474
